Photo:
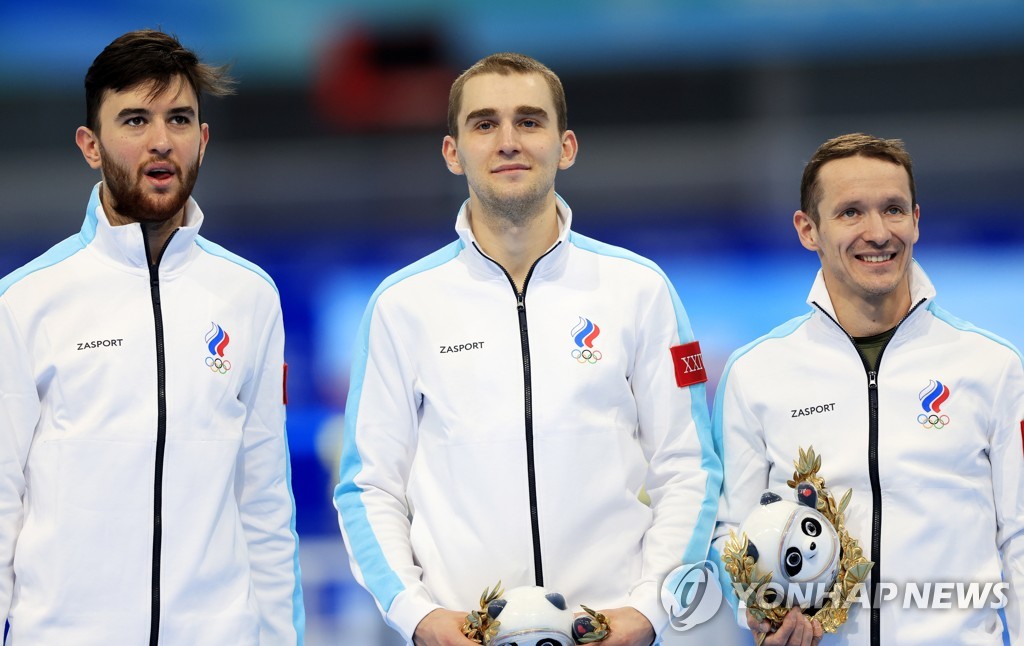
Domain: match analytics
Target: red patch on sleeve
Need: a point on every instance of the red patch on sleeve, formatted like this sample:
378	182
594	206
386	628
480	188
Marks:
284	384
1022	430
689	364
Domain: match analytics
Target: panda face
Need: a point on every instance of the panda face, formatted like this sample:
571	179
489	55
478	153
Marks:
794	544
807	551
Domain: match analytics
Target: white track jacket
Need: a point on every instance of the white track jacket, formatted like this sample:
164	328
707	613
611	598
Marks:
145	490
496	436
938	492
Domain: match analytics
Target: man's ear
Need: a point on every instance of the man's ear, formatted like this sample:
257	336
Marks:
450	152
806	230
204	138
89	143
570	147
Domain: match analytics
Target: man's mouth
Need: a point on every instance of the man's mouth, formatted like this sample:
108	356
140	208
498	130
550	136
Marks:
877	258
510	167
160	173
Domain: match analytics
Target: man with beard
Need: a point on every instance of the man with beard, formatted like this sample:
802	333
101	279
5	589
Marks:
916	412
144	481
514	392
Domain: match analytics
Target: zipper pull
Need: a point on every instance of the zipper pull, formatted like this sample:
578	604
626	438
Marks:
520	305
872	379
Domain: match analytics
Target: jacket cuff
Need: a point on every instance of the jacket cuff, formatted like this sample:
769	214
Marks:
646	598
408	610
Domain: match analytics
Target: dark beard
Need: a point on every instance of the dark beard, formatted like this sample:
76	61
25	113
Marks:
125	195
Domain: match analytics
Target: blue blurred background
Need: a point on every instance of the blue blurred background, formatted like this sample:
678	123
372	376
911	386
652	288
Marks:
694	119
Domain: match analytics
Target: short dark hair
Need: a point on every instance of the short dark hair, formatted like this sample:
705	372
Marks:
506	63
850	145
148	56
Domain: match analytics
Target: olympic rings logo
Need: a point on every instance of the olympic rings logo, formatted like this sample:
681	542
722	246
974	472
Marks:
586	355
933	420
216	364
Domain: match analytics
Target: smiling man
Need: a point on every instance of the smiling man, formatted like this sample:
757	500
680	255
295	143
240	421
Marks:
917	412
521	458
144	479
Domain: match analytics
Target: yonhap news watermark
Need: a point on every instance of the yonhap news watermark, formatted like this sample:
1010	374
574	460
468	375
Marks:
935	595
692	595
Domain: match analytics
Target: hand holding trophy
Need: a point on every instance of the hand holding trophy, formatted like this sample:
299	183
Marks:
797	553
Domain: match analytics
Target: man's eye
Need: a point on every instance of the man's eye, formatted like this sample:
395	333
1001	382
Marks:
135	121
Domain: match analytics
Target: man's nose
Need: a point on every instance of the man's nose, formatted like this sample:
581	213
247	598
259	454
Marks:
508	139
875	229
159	139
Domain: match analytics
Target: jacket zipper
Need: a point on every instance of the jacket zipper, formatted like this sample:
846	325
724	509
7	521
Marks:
876	485
876	495
531	470
161	434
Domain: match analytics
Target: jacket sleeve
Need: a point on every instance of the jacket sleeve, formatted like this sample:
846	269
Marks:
684	473
19	413
263	489
377	452
740	438
1007	458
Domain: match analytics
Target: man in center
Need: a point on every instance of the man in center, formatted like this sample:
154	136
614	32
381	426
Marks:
527	404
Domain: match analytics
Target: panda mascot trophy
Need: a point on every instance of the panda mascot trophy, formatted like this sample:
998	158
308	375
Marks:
797	553
531	616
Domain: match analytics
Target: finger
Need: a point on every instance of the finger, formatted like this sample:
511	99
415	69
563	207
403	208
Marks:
819	632
757	626
788	627
808	631
775	637
769	637
801	629
798	636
